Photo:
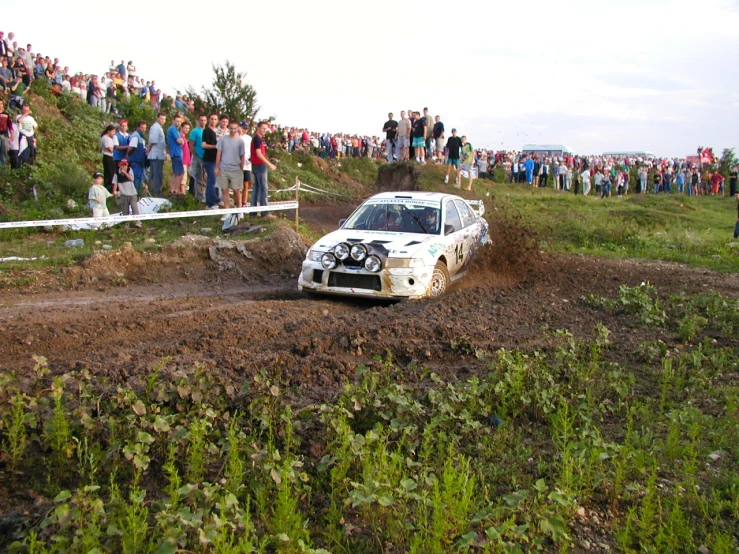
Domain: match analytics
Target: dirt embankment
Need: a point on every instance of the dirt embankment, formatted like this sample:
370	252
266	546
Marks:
235	308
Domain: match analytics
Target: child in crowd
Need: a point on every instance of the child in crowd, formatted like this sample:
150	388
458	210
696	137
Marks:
97	196
123	186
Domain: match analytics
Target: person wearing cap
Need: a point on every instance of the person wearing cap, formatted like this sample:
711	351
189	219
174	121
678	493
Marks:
124	188
98	195
453	145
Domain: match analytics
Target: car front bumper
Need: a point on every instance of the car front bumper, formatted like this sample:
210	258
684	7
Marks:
405	282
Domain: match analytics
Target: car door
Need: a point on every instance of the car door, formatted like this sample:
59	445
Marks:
453	238
469	230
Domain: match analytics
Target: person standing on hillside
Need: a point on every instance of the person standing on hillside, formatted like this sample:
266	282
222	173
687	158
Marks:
732	179
125	189
453	145
196	166
209	142
27	136
187	157
428	133
156	153
222	130
230	165
529	167
468	162
120	140
107	148
585	176
98	195
246	139
175	142
6	132
136	155
404	136
260	163
419	138
391	130
438	144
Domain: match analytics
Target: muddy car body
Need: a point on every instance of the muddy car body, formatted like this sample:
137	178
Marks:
397	245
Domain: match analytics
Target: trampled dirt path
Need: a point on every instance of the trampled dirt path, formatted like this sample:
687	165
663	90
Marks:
228	312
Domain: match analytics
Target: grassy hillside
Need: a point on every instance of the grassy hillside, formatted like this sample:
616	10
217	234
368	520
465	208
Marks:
695	231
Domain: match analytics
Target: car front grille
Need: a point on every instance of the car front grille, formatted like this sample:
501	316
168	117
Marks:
317	275
354	281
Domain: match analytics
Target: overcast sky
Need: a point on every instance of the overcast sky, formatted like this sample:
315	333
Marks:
657	75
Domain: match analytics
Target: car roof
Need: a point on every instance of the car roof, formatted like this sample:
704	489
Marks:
411	195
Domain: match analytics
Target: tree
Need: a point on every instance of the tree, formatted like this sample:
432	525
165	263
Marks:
728	160
229	94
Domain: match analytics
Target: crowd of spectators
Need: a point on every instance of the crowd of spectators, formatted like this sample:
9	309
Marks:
415	136
614	175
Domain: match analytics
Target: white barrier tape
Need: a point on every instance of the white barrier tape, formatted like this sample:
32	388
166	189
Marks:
312	190
147	217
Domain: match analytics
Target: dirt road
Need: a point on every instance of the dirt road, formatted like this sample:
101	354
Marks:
223	311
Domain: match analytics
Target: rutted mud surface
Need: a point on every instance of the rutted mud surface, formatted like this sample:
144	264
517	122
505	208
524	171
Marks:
236	313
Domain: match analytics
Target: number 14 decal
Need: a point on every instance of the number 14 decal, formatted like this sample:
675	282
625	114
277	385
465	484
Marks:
459	252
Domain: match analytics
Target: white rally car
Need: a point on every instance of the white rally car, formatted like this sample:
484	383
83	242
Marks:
397	245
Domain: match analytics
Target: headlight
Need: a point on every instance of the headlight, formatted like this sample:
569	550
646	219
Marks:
341	251
373	264
358	252
314	256
328	260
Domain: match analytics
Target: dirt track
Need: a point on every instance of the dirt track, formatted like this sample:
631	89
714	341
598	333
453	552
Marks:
239	315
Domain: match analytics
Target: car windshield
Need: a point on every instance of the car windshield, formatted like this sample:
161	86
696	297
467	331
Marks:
399	217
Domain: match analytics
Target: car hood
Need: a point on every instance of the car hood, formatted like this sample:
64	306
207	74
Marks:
398	245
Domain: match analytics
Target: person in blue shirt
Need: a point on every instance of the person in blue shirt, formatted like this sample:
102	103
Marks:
196	161
529	166
121	141
136	155
174	142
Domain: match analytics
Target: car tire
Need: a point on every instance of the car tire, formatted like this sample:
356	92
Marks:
440	280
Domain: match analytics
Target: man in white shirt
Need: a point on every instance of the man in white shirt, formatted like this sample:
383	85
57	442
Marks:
27	141
585	176
246	138
156	152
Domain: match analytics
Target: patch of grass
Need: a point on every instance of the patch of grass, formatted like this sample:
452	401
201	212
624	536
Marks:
693	230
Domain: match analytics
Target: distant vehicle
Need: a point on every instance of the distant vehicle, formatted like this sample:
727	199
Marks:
547	149
397	245
645	154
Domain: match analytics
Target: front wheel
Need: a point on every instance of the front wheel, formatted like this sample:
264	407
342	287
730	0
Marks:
439	280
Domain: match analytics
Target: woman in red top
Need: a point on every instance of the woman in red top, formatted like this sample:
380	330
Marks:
716	181
186	157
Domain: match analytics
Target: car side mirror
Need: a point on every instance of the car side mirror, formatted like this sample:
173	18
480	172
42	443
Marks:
448	229
341	223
